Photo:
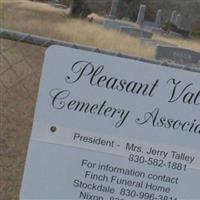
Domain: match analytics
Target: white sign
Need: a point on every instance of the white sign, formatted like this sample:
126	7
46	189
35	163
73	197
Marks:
109	128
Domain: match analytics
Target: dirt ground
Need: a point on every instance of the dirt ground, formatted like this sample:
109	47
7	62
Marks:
19	78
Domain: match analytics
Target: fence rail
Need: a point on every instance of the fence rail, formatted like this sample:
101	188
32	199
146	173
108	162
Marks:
46	42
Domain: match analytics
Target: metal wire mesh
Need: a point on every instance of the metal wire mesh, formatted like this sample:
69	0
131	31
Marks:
21	57
20	67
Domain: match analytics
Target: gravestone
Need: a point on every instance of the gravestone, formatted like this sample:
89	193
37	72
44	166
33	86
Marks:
178	55
136	32
115	24
158	17
175	34
56	2
141	14
148	26
173	17
158	31
113	10
146	41
178	21
126	19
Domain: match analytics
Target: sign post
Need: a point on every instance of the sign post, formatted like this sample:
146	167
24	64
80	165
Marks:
109	128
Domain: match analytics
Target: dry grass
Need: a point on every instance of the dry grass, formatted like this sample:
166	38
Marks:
43	19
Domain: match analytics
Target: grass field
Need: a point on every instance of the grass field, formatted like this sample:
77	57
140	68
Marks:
43	19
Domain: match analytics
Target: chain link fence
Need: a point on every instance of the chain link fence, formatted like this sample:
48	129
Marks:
21	58
20	68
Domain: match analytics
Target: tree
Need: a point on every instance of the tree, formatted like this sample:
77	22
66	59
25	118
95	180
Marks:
79	8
